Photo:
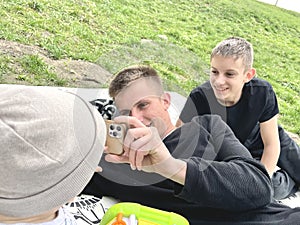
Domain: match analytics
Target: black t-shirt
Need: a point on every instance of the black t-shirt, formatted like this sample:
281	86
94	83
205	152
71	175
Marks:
257	104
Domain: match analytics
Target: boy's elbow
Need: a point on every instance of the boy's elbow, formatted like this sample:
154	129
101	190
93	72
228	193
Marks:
262	196
258	189
255	198
261	193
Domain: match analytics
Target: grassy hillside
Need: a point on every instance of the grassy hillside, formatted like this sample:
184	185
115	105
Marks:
175	37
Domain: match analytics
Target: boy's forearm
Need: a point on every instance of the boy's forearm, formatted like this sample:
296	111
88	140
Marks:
270	158
236	185
174	169
270	138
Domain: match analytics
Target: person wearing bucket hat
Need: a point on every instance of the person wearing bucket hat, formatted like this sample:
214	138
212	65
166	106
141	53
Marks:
51	144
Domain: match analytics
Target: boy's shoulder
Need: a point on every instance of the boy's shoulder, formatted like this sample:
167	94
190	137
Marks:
206	121
258	82
258	87
204	87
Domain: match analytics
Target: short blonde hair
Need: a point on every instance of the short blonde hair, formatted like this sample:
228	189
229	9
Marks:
127	75
235	47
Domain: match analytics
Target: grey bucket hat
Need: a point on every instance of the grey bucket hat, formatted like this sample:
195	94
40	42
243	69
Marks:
50	144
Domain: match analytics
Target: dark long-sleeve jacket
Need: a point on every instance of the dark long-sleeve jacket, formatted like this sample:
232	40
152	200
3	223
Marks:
224	184
220	171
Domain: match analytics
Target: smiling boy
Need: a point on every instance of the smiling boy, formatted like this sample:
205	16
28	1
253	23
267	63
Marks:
249	106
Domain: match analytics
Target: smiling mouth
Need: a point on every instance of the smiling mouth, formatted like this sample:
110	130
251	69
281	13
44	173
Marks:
221	89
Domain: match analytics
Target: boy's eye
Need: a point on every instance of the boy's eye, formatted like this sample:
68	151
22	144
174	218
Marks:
143	105
126	112
213	71
229	74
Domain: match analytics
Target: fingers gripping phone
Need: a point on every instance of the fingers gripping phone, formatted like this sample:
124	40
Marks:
115	137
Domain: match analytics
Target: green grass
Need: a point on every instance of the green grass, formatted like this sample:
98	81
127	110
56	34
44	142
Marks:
182	34
37	72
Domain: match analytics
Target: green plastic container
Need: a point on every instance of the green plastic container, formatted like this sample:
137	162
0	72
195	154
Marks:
145	215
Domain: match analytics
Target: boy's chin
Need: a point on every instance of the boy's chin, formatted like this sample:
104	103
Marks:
160	125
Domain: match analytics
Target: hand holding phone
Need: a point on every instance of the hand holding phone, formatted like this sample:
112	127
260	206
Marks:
115	137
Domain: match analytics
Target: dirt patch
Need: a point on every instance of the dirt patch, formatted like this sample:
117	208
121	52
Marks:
77	73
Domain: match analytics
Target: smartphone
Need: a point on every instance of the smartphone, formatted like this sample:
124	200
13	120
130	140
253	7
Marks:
115	137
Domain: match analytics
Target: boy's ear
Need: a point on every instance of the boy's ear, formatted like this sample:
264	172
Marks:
166	97
250	74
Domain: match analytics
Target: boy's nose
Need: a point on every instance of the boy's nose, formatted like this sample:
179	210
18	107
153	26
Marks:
220	79
137	114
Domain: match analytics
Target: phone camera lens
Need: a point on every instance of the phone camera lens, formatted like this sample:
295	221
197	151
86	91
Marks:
115	134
